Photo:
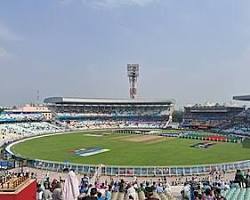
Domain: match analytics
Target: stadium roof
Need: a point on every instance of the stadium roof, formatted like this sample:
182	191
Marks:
214	105
72	100
242	98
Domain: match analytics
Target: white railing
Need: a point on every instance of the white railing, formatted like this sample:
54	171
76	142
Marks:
141	170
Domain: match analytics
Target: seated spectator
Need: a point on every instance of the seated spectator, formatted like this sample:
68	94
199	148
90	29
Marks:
108	193
130	197
102	189
57	193
208	195
147	188
197	196
149	194
39	192
122	186
239	178
247	181
47	195
92	195
159	188
131	191
186	191
99	196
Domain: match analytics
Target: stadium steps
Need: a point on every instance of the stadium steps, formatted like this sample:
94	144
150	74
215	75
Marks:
114	196
141	195
242	194
169	195
121	196
163	196
230	193
237	194
247	194
224	192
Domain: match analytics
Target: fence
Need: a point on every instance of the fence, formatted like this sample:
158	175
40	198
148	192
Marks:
140	171
7	164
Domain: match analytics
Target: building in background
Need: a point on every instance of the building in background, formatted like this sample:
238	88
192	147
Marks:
210	115
28	112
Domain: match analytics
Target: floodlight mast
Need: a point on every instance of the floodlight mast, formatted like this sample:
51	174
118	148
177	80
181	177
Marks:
133	74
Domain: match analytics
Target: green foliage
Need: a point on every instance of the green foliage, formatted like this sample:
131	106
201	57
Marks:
178	116
169	151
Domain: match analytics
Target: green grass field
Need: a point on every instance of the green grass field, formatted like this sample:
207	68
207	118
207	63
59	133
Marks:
166	152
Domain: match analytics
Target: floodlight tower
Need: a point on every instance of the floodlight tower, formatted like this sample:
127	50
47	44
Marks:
133	73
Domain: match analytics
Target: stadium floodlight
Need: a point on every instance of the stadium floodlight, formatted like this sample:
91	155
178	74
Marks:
133	73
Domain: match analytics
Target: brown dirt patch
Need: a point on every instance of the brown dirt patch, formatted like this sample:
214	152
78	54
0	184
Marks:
149	139
124	137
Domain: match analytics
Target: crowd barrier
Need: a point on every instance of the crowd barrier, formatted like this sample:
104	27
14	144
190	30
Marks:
139	170
7	164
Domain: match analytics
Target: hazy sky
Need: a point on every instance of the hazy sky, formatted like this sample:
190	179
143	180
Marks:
190	50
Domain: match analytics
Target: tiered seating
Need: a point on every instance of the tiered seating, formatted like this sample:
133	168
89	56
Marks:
237	193
241	195
243	129
83	112
39	127
113	116
247	194
10	132
141	196
29	128
99	124
12	117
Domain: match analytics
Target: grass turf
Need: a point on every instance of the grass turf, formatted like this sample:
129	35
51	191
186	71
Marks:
168	152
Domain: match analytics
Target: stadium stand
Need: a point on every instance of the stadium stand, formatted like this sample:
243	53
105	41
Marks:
78	113
13	131
110	124
240	125
11	117
214	187
26	113
209	116
83	186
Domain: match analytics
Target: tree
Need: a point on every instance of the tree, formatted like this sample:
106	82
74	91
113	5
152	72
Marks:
178	116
